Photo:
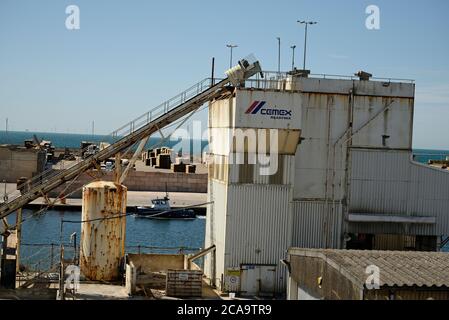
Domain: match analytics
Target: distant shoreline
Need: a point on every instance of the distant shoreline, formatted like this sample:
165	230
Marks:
73	140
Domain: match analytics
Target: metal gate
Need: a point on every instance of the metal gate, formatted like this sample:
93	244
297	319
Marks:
257	280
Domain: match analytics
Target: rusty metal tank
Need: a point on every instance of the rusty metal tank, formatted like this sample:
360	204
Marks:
103	240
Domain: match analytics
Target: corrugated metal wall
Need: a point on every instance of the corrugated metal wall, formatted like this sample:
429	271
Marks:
325	119
394	242
326	116
216	228
395	122
388	182
309	224
284	168
258	227
218	168
250	173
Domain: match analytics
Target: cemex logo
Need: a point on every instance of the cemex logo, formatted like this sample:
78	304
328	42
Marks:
258	107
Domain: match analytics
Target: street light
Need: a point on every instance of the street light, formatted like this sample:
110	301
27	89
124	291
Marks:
5	195
293	56
231	46
305	38
279	55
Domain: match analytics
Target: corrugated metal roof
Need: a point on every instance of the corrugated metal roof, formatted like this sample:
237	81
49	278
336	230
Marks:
397	268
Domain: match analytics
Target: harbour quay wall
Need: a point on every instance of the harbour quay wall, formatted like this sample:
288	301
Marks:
17	162
144	181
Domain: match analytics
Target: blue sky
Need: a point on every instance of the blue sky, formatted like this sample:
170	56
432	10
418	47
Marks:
129	56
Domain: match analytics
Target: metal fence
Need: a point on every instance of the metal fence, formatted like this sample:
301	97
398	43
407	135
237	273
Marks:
149	249
44	257
273	80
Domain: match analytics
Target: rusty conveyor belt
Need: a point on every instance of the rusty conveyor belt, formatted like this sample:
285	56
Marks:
44	186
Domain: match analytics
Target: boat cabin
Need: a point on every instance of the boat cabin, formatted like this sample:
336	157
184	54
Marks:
161	204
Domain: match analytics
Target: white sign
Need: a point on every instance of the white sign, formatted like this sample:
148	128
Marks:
266	109
183	276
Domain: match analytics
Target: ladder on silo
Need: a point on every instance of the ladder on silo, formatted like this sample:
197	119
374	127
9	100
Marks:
142	127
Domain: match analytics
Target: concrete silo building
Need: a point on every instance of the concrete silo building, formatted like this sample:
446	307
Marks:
343	175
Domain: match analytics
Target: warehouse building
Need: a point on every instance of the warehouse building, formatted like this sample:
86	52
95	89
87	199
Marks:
317	274
343	176
17	162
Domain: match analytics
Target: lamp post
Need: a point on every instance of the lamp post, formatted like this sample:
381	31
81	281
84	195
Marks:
307	23
293	56
231	46
279	55
5	195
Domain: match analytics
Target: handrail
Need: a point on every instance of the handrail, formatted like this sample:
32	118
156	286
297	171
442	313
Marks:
202	253
335	76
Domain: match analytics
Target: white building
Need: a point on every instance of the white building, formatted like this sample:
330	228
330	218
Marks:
343	177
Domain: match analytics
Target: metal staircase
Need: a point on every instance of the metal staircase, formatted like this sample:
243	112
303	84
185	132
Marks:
131	133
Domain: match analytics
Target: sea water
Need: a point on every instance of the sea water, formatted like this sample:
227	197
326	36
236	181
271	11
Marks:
43	233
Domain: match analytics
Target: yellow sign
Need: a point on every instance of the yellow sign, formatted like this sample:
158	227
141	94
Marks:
233	272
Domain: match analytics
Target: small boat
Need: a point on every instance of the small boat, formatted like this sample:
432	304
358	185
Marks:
161	209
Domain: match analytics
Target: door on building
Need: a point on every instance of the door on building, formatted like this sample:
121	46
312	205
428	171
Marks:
360	241
257	280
